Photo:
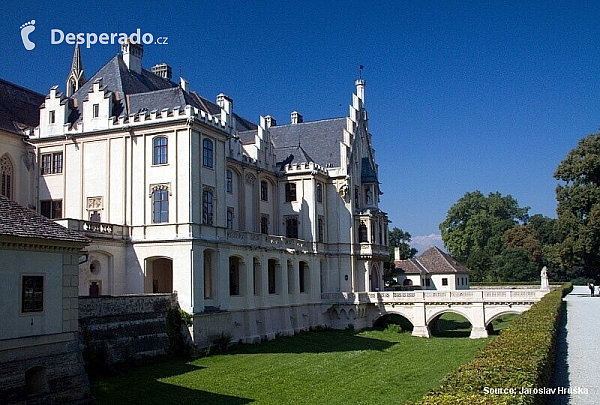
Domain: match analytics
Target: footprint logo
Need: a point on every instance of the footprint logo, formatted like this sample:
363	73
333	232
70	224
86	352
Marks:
27	29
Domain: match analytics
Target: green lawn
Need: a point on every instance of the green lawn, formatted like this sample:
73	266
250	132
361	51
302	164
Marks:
330	367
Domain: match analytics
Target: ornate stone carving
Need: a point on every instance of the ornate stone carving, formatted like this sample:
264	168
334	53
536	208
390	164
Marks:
250	178
94	203
154	187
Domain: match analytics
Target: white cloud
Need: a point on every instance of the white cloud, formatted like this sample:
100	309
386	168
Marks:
422	242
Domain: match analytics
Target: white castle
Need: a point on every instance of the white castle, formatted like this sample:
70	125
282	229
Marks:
249	223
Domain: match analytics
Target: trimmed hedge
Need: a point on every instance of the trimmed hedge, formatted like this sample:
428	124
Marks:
522	356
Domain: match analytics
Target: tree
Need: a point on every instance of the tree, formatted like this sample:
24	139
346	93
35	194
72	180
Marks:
579	206
398	238
524	237
514	264
473	228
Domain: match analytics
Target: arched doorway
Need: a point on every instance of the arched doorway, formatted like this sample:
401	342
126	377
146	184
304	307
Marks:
159	275
374	279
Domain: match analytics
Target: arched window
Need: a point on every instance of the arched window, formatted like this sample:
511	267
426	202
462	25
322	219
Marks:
207	207
207	153
319	192
160	150
6	168
362	233
160	206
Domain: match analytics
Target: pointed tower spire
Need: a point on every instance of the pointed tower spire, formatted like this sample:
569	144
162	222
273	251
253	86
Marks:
76	77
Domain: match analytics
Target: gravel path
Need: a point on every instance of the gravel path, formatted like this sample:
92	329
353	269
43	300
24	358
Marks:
578	350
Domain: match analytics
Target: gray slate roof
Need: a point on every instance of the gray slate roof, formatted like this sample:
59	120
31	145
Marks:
432	261
319	141
19	107
16	220
146	91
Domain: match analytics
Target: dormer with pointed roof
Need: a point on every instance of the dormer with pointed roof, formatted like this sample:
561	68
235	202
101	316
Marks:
76	77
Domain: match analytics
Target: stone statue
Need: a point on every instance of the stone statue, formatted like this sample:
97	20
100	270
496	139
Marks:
544	279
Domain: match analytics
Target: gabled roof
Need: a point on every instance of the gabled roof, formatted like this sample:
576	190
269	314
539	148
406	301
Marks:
146	91
432	261
319	141
19	107
24	223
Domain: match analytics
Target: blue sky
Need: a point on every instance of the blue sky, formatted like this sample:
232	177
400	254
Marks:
462	95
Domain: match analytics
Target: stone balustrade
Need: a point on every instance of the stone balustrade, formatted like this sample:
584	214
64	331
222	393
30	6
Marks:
96	229
268	241
457	296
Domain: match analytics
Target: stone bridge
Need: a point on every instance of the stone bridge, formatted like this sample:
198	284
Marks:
479	307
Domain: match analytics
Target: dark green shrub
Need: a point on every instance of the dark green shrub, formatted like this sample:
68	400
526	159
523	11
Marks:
176	318
522	356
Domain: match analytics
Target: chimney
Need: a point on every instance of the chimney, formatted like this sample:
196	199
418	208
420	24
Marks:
296	118
132	55
271	122
163	70
397	253
185	85
225	102
360	89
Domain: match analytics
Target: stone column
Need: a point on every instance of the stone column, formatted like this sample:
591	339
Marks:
478	318
420	320
197	279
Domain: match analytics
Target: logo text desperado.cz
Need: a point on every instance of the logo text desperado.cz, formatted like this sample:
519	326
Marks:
58	36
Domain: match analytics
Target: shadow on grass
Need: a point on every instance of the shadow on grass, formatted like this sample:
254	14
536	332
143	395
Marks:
450	328
142	385
314	342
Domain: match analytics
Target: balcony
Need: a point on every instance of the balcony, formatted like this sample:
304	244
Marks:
96	229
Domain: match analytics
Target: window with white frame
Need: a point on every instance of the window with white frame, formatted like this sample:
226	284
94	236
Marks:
207	152
160	205
160	150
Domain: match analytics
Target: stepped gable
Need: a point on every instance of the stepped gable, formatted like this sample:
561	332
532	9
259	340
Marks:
319	141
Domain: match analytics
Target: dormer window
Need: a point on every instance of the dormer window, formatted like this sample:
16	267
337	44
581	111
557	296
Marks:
52	117
96	111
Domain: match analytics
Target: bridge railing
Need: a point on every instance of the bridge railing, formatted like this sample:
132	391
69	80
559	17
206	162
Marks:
506	295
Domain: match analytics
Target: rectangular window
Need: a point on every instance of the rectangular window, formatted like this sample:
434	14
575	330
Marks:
207	153
52	117
51	208
32	294
320	229
229	217
291	227
160	150
264	224
160	206
356	197
96	111
52	163
427	282
207	207
57	162
229	181
290	192
264	191
46	166
444	281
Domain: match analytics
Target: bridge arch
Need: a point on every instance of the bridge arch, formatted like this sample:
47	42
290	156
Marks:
497	314
437	313
406	314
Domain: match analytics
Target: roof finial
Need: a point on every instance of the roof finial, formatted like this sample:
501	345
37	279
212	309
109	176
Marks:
76	77
360	68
